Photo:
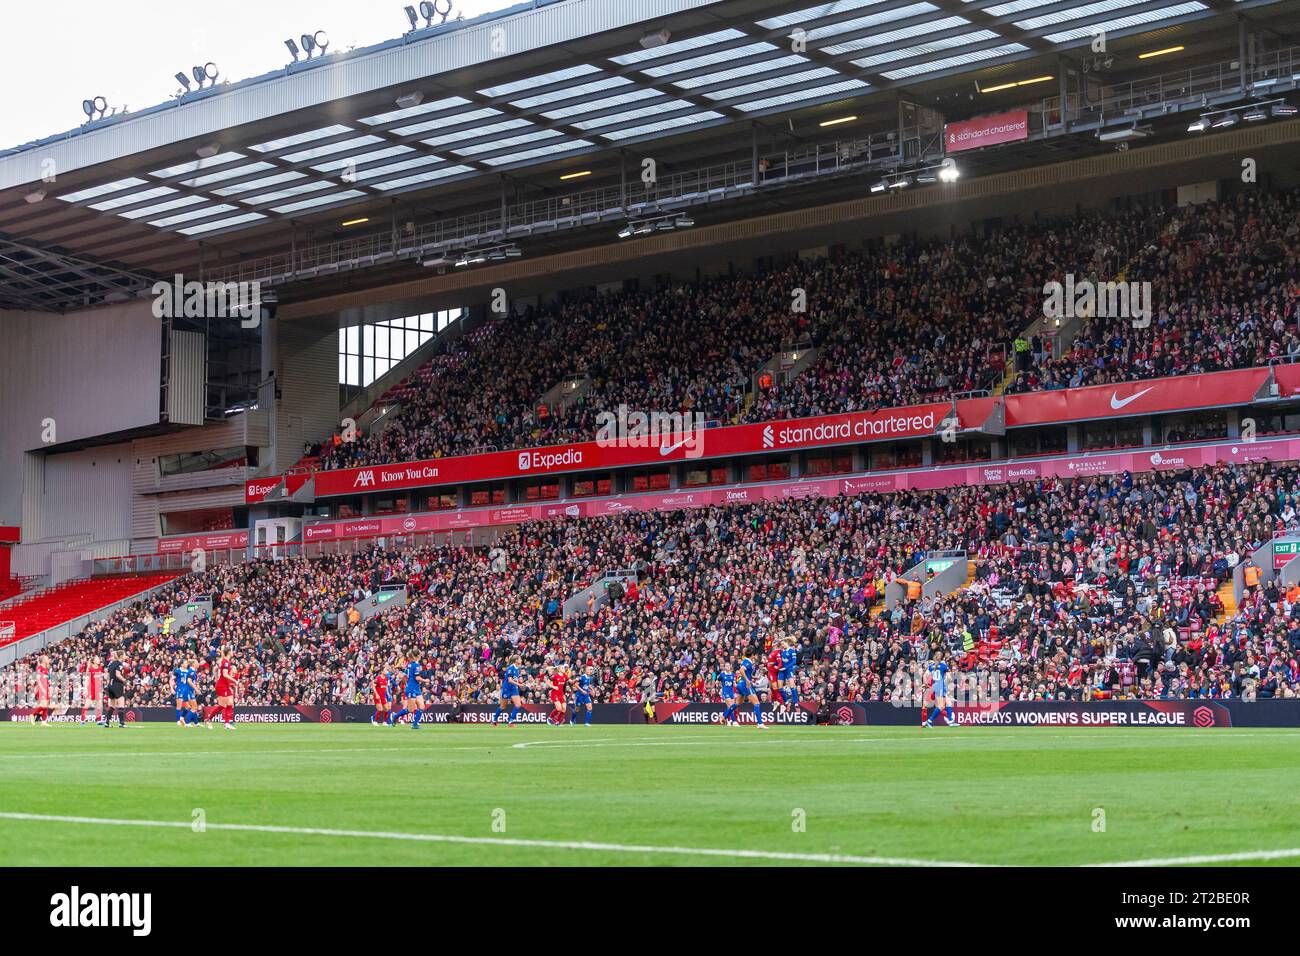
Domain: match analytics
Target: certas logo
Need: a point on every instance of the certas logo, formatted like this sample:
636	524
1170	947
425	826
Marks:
1203	717
76	909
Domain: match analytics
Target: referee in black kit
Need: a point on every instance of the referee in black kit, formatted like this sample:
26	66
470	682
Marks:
116	691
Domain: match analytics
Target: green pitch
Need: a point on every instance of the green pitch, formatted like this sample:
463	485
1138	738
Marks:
343	794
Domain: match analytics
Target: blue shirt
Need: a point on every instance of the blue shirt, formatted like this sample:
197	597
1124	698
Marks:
512	674
413	671
728	680
747	668
584	683
184	675
938	677
789	658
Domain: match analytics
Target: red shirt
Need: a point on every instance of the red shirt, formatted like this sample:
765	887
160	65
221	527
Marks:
559	680
381	685
43	676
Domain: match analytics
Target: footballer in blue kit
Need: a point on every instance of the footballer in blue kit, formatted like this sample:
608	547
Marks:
187	678
510	678
936	672
727	690
414	702
785	675
748	691
582	697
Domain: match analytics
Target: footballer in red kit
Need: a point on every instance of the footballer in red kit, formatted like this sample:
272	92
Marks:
559	684
380	699
227	681
41	713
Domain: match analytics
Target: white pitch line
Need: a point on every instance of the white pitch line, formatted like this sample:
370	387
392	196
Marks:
1209	858
736	854
624	847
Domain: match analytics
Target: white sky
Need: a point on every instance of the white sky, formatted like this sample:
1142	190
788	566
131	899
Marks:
53	55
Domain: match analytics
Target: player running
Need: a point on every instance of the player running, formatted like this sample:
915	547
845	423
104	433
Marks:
414	701
381	699
936	672
582	697
187	686
727	690
41	712
559	692
509	691
745	682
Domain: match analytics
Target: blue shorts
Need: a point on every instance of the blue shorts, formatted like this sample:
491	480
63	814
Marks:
744	690
784	674
509	690
413	690
728	693
184	697
581	699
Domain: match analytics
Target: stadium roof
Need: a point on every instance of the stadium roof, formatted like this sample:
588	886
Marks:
240	168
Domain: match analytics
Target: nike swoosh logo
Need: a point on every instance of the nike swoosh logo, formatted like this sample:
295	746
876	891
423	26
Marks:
1118	403
669	449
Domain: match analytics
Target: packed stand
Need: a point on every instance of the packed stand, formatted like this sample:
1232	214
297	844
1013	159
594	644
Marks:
1084	588
910	323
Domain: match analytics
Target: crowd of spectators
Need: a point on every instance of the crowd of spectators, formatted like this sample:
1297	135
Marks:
1083	588
900	324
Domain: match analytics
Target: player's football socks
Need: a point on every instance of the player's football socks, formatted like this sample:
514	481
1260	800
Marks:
394	718
794	697
947	715
497	715
586	721
514	712
415	721
758	714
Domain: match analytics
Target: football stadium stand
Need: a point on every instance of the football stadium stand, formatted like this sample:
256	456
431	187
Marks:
842	239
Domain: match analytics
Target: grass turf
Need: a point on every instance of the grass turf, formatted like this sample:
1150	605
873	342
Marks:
977	795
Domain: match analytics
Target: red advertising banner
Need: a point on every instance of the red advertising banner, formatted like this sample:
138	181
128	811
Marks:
986	131
1071	466
849	428
218	541
1136	398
